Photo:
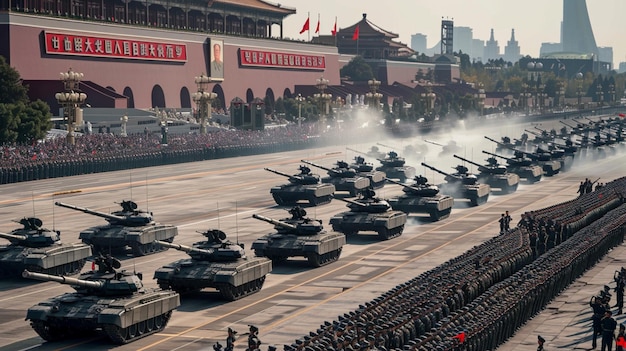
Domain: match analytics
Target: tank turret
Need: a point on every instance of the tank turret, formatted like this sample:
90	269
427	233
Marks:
112	301
394	167
343	178
369	213
549	166
215	263
377	178
496	175
299	236
304	186
128	227
463	185
40	250
522	166
492	167
421	197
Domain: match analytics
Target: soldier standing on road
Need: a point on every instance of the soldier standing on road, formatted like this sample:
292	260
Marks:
620	281
230	340
608	331
598	312
253	339
502	221
540	342
582	188
507	222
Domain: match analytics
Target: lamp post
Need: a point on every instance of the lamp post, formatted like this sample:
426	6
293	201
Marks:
561	95
480	98
70	100
612	94
579	89
323	98
541	97
299	101
203	99
600	95
373	96
124	120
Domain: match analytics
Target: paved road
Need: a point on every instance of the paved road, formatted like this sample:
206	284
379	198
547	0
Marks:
224	194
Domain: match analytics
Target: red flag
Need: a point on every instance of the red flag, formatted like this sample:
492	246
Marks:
621	341
622	115
355	36
460	336
334	31
305	27
34	157
317	29
93	265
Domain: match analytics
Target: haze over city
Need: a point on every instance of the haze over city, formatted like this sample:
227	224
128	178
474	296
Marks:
534	21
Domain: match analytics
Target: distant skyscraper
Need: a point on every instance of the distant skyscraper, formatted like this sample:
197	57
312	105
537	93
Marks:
492	49
577	34
512	49
418	43
463	37
478	49
605	54
550	48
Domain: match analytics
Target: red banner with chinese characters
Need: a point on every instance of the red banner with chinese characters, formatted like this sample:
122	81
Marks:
117	48
260	58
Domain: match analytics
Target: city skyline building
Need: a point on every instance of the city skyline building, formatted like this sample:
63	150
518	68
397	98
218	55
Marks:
419	43
512	49
577	33
492	49
463	37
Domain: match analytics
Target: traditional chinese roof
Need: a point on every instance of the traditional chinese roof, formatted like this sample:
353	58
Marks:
255	4
367	28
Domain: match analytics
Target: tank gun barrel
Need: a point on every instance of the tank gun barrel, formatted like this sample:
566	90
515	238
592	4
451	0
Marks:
469	161
433	142
533	133
62	280
396	182
91	212
278	172
274	222
319	166
496	155
440	171
499	143
357	151
383	145
13	236
183	248
351	202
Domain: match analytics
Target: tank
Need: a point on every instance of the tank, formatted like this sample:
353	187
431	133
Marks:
126	228
109	300
446	149
522	166
365	169
463	185
304	186
395	168
421	197
214	263
343	177
542	159
496	175
374	152
369	213
299	236
37	249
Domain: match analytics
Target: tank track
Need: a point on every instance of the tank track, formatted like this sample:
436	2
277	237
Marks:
48	332
479	200
70	268
318	260
138	330
439	215
386	234
147	249
232	293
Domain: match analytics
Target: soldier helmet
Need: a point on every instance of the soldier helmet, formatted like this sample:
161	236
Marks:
540	339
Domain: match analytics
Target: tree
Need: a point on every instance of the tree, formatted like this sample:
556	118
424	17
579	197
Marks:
20	120
357	70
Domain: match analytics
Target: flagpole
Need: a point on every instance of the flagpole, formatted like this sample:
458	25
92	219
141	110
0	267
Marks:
335	31
308	16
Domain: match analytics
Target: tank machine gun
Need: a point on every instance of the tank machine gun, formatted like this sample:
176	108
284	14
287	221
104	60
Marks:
304	186
496	175
395	168
108	299
369	213
522	166
463	185
40	250
549	166
421	197
214	263
377	178
128	227
299	236
343	178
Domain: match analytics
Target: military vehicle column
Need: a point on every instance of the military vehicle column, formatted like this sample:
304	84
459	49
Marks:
463	185
496	175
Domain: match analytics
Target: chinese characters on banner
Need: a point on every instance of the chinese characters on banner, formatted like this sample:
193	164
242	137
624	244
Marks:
281	60
92	46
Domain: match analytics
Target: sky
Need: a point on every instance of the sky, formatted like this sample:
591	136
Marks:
534	21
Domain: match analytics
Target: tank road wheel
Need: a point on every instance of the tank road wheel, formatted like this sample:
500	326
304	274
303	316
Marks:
47	332
315	260
138	249
439	215
276	259
511	189
142	327
386	234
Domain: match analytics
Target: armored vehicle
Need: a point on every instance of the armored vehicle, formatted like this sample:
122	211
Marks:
522	166
374	152
543	159
422	197
343	178
40	250
495	174
369	213
299	236
377	178
395	168
127	228
463	185
108	300
214	263
447	149
304	186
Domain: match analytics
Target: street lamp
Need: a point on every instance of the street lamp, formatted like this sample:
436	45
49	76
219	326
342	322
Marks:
300	100
480	98
70	100
600	94
373	96
579	89
203	99
124	120
561	95
324	98
612	93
